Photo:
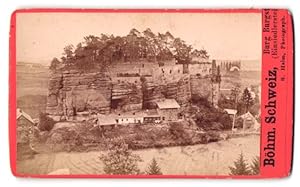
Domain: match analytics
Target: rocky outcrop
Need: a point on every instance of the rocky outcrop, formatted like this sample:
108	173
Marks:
127	96
178	90
54	97
152	92
71	92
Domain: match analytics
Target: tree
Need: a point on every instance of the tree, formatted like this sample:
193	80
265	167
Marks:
68	51
54	64
234	95
240	167
153	168
45	122
182	51
200	53
247	100
120	160
100	52
255	166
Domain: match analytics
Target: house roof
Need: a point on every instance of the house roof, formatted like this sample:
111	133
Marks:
21	113
247	115
135	114
230	111
167	103
106	120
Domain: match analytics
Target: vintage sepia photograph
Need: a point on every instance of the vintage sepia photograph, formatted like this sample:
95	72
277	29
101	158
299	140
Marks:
132	93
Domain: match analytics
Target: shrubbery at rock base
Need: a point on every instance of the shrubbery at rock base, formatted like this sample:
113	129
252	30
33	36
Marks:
45	123
208	117
85	137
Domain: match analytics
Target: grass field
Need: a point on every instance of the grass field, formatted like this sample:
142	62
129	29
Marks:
209	159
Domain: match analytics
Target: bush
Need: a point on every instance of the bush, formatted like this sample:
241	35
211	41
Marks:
46	123
200	101
209	118
120	160
153	168
255	166
240	167
212	120
177	130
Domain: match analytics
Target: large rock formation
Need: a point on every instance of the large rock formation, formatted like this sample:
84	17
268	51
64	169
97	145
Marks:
127	96
71	92
152	92
177	89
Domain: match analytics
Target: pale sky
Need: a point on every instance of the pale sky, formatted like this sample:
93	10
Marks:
236	36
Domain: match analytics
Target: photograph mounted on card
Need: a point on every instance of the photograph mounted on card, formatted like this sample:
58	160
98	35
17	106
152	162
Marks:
151	93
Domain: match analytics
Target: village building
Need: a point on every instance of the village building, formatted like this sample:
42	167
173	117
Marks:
138	117
25	125
152	116
106	121
132	118
232	113
168	109
249	122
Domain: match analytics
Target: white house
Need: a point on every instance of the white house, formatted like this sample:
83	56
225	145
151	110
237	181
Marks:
134	118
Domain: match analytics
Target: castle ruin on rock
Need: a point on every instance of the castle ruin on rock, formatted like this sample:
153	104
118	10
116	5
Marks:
73	92
130	73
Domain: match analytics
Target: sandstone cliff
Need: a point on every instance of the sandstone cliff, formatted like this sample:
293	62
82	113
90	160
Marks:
71	92
126	96
177	89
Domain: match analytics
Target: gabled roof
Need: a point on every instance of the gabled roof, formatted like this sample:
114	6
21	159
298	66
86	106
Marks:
247	115
230	111
24	114
167	104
